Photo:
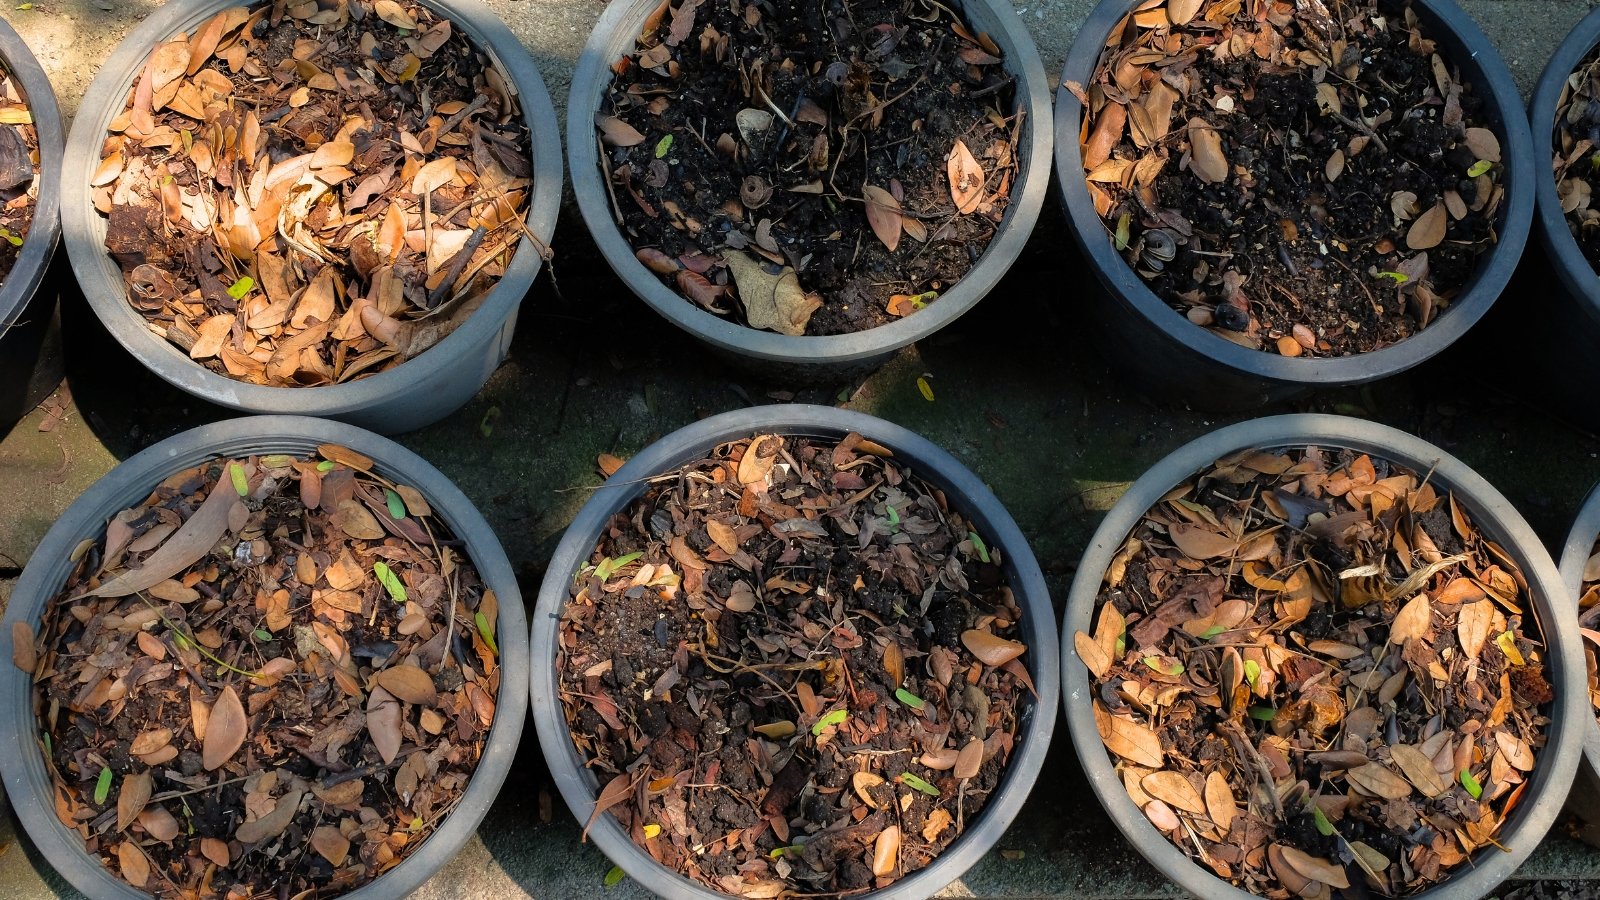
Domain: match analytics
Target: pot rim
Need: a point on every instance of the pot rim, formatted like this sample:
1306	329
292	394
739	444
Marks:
1494	515
592	76
21	762
39	245
102	282
578	785
1494	84
1573	269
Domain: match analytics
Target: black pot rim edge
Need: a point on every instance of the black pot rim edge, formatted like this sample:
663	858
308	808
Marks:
1493	514
39	245
108	296
21	763
1490	278
1579	546
1573	269
591	77
966	492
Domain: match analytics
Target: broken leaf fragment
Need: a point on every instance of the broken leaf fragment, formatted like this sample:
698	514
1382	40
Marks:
774	302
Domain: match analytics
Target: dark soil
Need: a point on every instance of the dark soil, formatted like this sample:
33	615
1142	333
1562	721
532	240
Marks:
827	608
846	59
1278	246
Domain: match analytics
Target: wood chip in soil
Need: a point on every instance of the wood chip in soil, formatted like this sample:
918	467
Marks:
302	194
810	169
246	688
1303	179
793	668
1316	676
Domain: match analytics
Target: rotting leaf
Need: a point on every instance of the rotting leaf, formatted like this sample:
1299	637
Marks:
772	301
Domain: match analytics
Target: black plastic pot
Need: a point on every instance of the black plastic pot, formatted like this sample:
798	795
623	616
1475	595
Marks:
1552	608
21	761
833	357
1585	797
1170	358
1560	290
965	492
27	314
403	398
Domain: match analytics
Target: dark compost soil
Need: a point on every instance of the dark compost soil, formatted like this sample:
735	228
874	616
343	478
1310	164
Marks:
1313	182
1317	676
871	93
807	712
271	720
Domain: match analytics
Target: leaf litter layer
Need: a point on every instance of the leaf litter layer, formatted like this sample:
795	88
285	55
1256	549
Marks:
19	171
810	168
1576	139
1303	179
794	669
246	687
1589	623
305	193
1317	677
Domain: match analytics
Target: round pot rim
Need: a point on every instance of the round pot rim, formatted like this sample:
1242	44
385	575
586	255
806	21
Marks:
1579	546
1493	271
1574	270
108	295
39	245
932	463
21	763
593	75
1493	514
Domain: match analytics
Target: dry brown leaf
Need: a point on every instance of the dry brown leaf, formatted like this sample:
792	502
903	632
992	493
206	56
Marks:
23	654
616	132
1429	228
1093	655
966	178
723	536
1201	543
935	824
133	864
1220	805
616	790
886	851
1473	623
226	728
198	534
331	845
1418	769
1315	868
158	823
273	823
754	465
1108	128
1128	739
383	723
1179	12
133	796
772	302
1413	620
409	683
1516	750
1206	159
883	214
990	649
150	741
1483	144
393	13
969	761
353	518
1175	790
1379	781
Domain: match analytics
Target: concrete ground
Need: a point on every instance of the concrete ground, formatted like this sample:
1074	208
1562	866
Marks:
1023	402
